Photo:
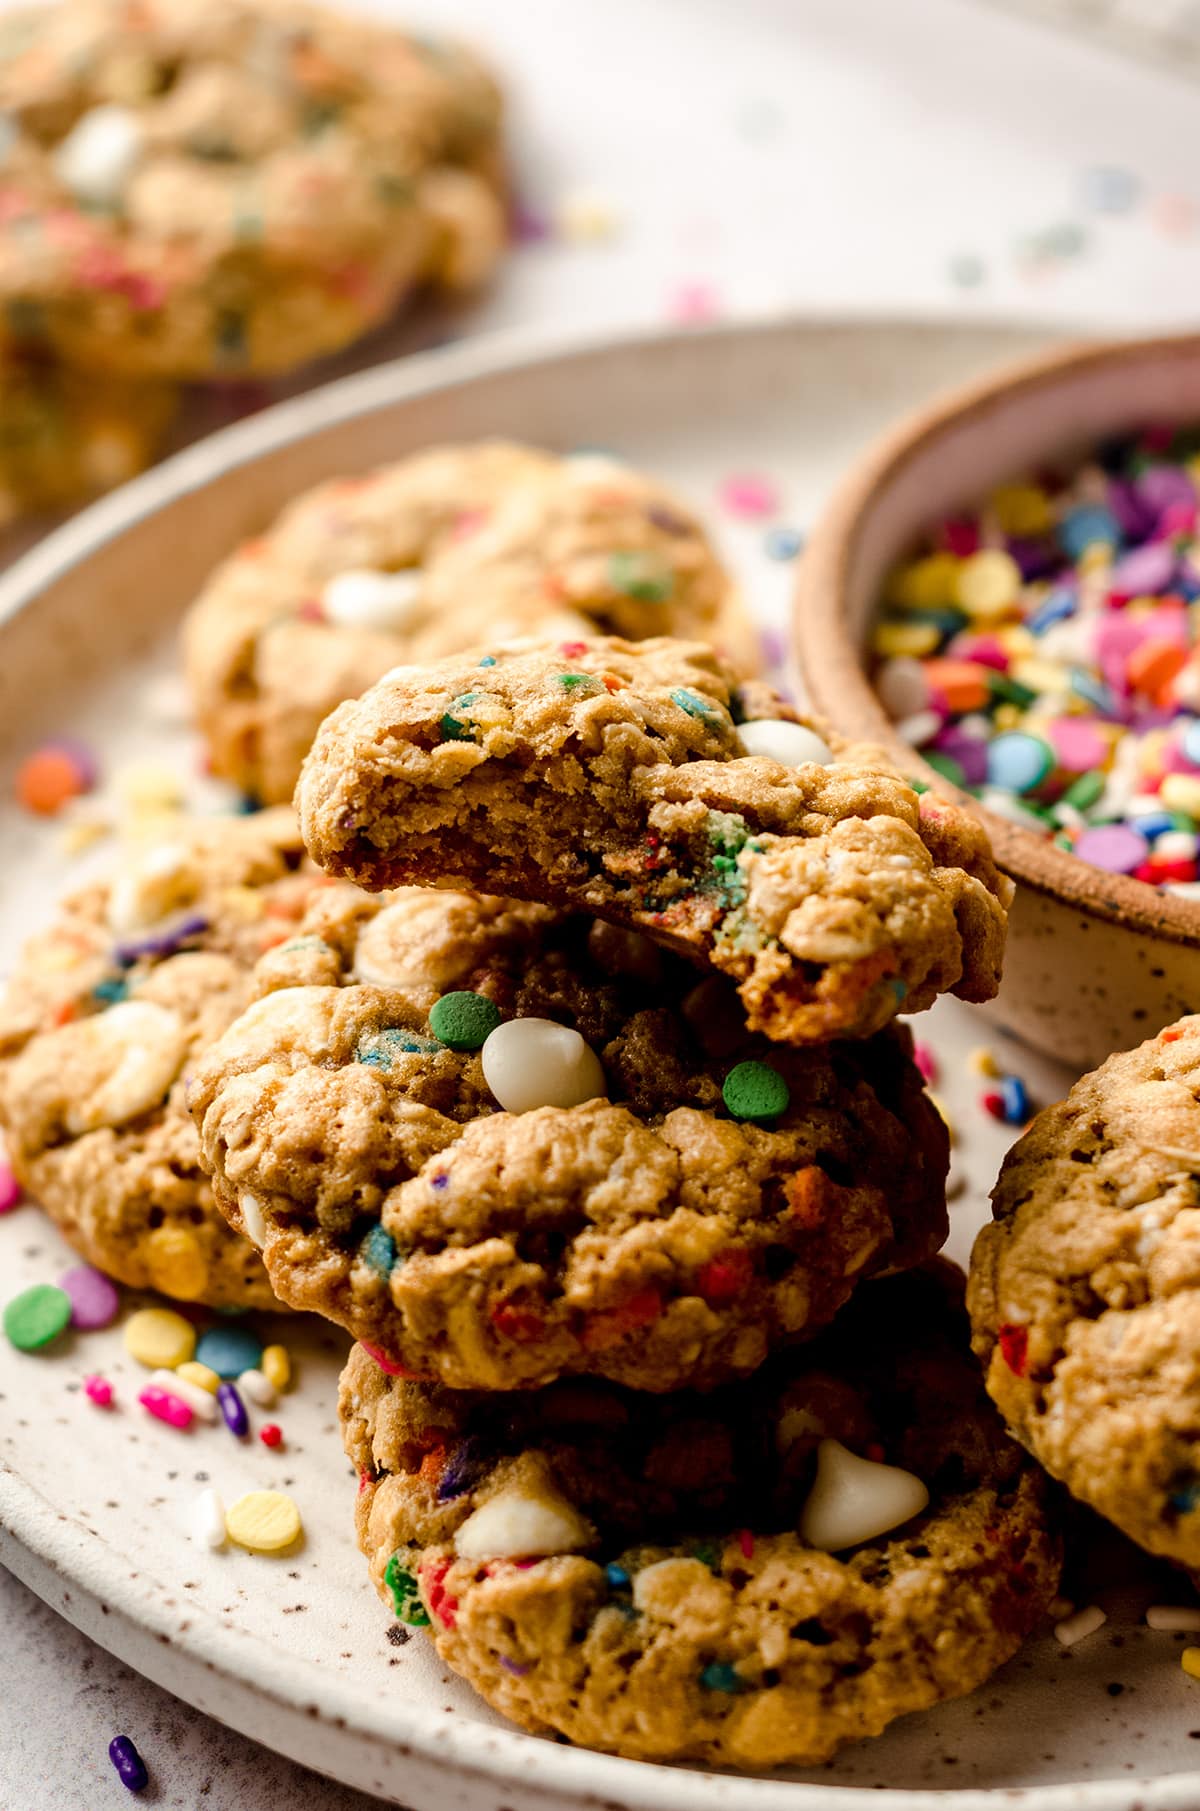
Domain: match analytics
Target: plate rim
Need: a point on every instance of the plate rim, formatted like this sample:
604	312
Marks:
54	1543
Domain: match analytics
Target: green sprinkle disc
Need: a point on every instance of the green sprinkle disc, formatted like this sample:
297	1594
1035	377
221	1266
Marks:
36	1316
406	1599
641	576
464	1020
754	1091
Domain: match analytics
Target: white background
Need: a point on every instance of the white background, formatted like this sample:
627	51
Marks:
820	154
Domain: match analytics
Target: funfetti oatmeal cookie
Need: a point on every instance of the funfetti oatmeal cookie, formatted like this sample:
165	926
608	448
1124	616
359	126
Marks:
453	546
640	783
66	435
752	1577
1085	1292
501	1145
104	1016
197	188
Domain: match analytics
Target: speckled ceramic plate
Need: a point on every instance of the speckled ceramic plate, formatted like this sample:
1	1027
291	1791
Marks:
95	1507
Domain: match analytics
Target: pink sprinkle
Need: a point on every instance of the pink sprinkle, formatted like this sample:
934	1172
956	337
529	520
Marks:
746	1543
692	304
959	536
926	1062
99	1391
10	1189
385	1363
165	1407
311	611
749	494
1078	744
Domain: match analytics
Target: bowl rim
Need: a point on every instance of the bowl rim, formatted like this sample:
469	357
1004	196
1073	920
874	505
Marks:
830	662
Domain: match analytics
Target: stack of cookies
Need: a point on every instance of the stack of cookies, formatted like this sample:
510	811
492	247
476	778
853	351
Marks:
197	190
585	1111
556	1058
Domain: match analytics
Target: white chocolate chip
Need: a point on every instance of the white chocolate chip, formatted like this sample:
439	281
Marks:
363	599
530	1063
151	888
791	744
855	1499
121	1063
253	1220
514	1525
99	154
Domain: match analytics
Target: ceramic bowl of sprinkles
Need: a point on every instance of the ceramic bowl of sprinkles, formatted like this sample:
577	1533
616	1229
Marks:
1006	592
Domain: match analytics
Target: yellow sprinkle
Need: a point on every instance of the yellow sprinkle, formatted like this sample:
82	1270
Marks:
1041	675
82	833
1007	716
265	1521
58	956
927	584
1181	792
939	1107
1189	1660
176	1263
277	1366
1021	509
980	1061
905	638
585	217
192	1371
1016	641
147	784
159	1339
989	584
1095	558
246	902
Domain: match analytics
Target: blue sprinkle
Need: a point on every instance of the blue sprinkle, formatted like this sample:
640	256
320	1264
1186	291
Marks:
618	1578
465	1466
783	543
1185	1500
378	1048
1110	189
1011	1090
441	1180
489	660
898	987
229	1350
109	992
693	704
1155	825
1093	691
247	805
1191	741
719	1676
1055	607
1086	524
378	1251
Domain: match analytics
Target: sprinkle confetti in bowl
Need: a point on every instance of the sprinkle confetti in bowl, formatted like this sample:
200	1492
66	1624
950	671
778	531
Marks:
1005	592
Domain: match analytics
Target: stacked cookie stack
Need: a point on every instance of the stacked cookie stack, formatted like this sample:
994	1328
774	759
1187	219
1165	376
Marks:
198	190
599	1145
559	1064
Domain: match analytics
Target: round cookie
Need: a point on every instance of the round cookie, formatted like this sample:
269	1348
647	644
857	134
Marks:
626	1571
105	1014
453	546
198	188
611	777
1085	1292
645	1233
67	435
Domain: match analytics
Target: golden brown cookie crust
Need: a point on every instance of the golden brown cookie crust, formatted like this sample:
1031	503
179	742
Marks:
1085	1292
209	187
491	539
648	1236
687	1621
104	1016
69	435
609	777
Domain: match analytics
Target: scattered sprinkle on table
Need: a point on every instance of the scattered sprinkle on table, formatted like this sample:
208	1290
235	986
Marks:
749	494
202	1405
98	1390
263	1521
1081	1624
191	1371
159	1338
233	1410
208	1519
1042	651
51	776
95	1302
271	1434
1173	1617
37	1316
258	1387
131	1769
229	1350
166	1406
277	1367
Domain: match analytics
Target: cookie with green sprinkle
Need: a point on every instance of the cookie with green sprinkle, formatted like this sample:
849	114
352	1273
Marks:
649	1575
668	797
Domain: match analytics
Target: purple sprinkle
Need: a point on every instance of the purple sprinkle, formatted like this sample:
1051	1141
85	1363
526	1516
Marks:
441	1180
233	1409
347	821
85	762
163	943
667	520
513	1666
131	1769
94	1299
1161	485
465	1466
1146	569
971	752
1134	518
529	227
1117	848
1035	559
